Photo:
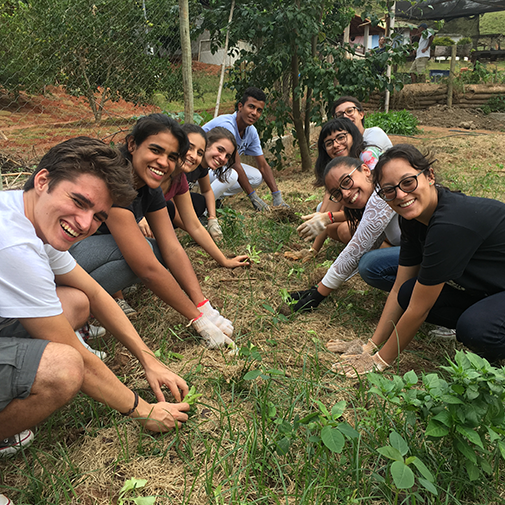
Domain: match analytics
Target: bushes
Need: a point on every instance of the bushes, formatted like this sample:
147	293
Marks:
399	122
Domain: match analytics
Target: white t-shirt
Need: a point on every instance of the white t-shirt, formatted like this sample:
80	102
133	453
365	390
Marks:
27	265
423	44
376	136
379	222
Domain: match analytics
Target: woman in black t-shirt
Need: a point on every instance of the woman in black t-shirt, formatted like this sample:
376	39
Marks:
452	263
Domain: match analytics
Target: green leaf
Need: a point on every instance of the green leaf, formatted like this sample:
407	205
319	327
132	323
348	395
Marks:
444	417
410	378
252	374
144	500
423	469
466	450
282	446
472	470
348	431
322	407
398	443
471	435
338	409
501	446
403	476
131	484
332	439
435	429
428	485
390	452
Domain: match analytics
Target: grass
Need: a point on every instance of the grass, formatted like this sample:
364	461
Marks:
205	94
269	425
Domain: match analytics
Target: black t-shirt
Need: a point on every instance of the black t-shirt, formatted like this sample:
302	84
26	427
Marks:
463	244
148	200
196	174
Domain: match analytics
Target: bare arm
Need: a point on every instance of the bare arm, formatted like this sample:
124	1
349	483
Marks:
113	318
141	259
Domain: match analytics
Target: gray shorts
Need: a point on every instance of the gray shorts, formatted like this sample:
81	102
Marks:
19	361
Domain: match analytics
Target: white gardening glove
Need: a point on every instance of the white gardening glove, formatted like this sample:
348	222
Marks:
216	318
214	338
314	225
359	364
277	200
355	346
214	229
257	202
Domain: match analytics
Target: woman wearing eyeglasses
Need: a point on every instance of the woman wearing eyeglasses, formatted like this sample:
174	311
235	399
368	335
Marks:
451	267
338	138
371	220
351	108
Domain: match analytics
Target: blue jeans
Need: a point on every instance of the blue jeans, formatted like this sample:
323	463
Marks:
378	267
100	256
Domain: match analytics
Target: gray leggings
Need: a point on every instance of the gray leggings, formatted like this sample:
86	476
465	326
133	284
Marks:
100	256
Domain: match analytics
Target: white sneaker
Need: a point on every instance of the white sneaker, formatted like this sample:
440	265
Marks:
96	331
83	334
4	500
11	445
442	333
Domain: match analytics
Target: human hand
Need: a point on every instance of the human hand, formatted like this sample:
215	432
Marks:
304	255
216	318
309	299
214	229
158	375
238	261
214	338
164	416
257	202
277	200
315	224
353	365
145	229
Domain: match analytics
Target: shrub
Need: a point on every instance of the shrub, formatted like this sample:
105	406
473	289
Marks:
495	104
464	41
443	41
400	122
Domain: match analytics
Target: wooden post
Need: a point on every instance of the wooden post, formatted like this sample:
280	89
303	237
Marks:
347	32
450	85
223	67
389	30
187	79
366	37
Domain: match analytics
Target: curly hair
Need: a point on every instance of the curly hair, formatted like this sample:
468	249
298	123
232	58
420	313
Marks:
84	155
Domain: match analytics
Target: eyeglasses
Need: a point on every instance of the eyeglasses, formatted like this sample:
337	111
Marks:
340	139
346	183
407	185
347	112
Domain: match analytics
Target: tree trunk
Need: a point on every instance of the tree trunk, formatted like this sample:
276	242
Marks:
187	80
308	99
297	115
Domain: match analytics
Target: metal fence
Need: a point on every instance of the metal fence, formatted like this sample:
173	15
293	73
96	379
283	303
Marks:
74	67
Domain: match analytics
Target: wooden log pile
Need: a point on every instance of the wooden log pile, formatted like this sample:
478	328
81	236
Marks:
423	96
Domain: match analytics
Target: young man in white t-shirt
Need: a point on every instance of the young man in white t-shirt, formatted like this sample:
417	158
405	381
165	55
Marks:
423	52
45	296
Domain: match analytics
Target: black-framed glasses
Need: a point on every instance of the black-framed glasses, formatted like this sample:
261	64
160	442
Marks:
407	185
347	112
340	139
347	182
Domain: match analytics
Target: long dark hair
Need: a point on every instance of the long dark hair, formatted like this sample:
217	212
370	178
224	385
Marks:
152	125
335	125
352	216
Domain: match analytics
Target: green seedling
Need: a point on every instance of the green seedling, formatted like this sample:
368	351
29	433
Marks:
130	486
192	396
253	254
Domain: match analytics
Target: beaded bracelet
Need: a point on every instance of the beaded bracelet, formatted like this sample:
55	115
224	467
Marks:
135	405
